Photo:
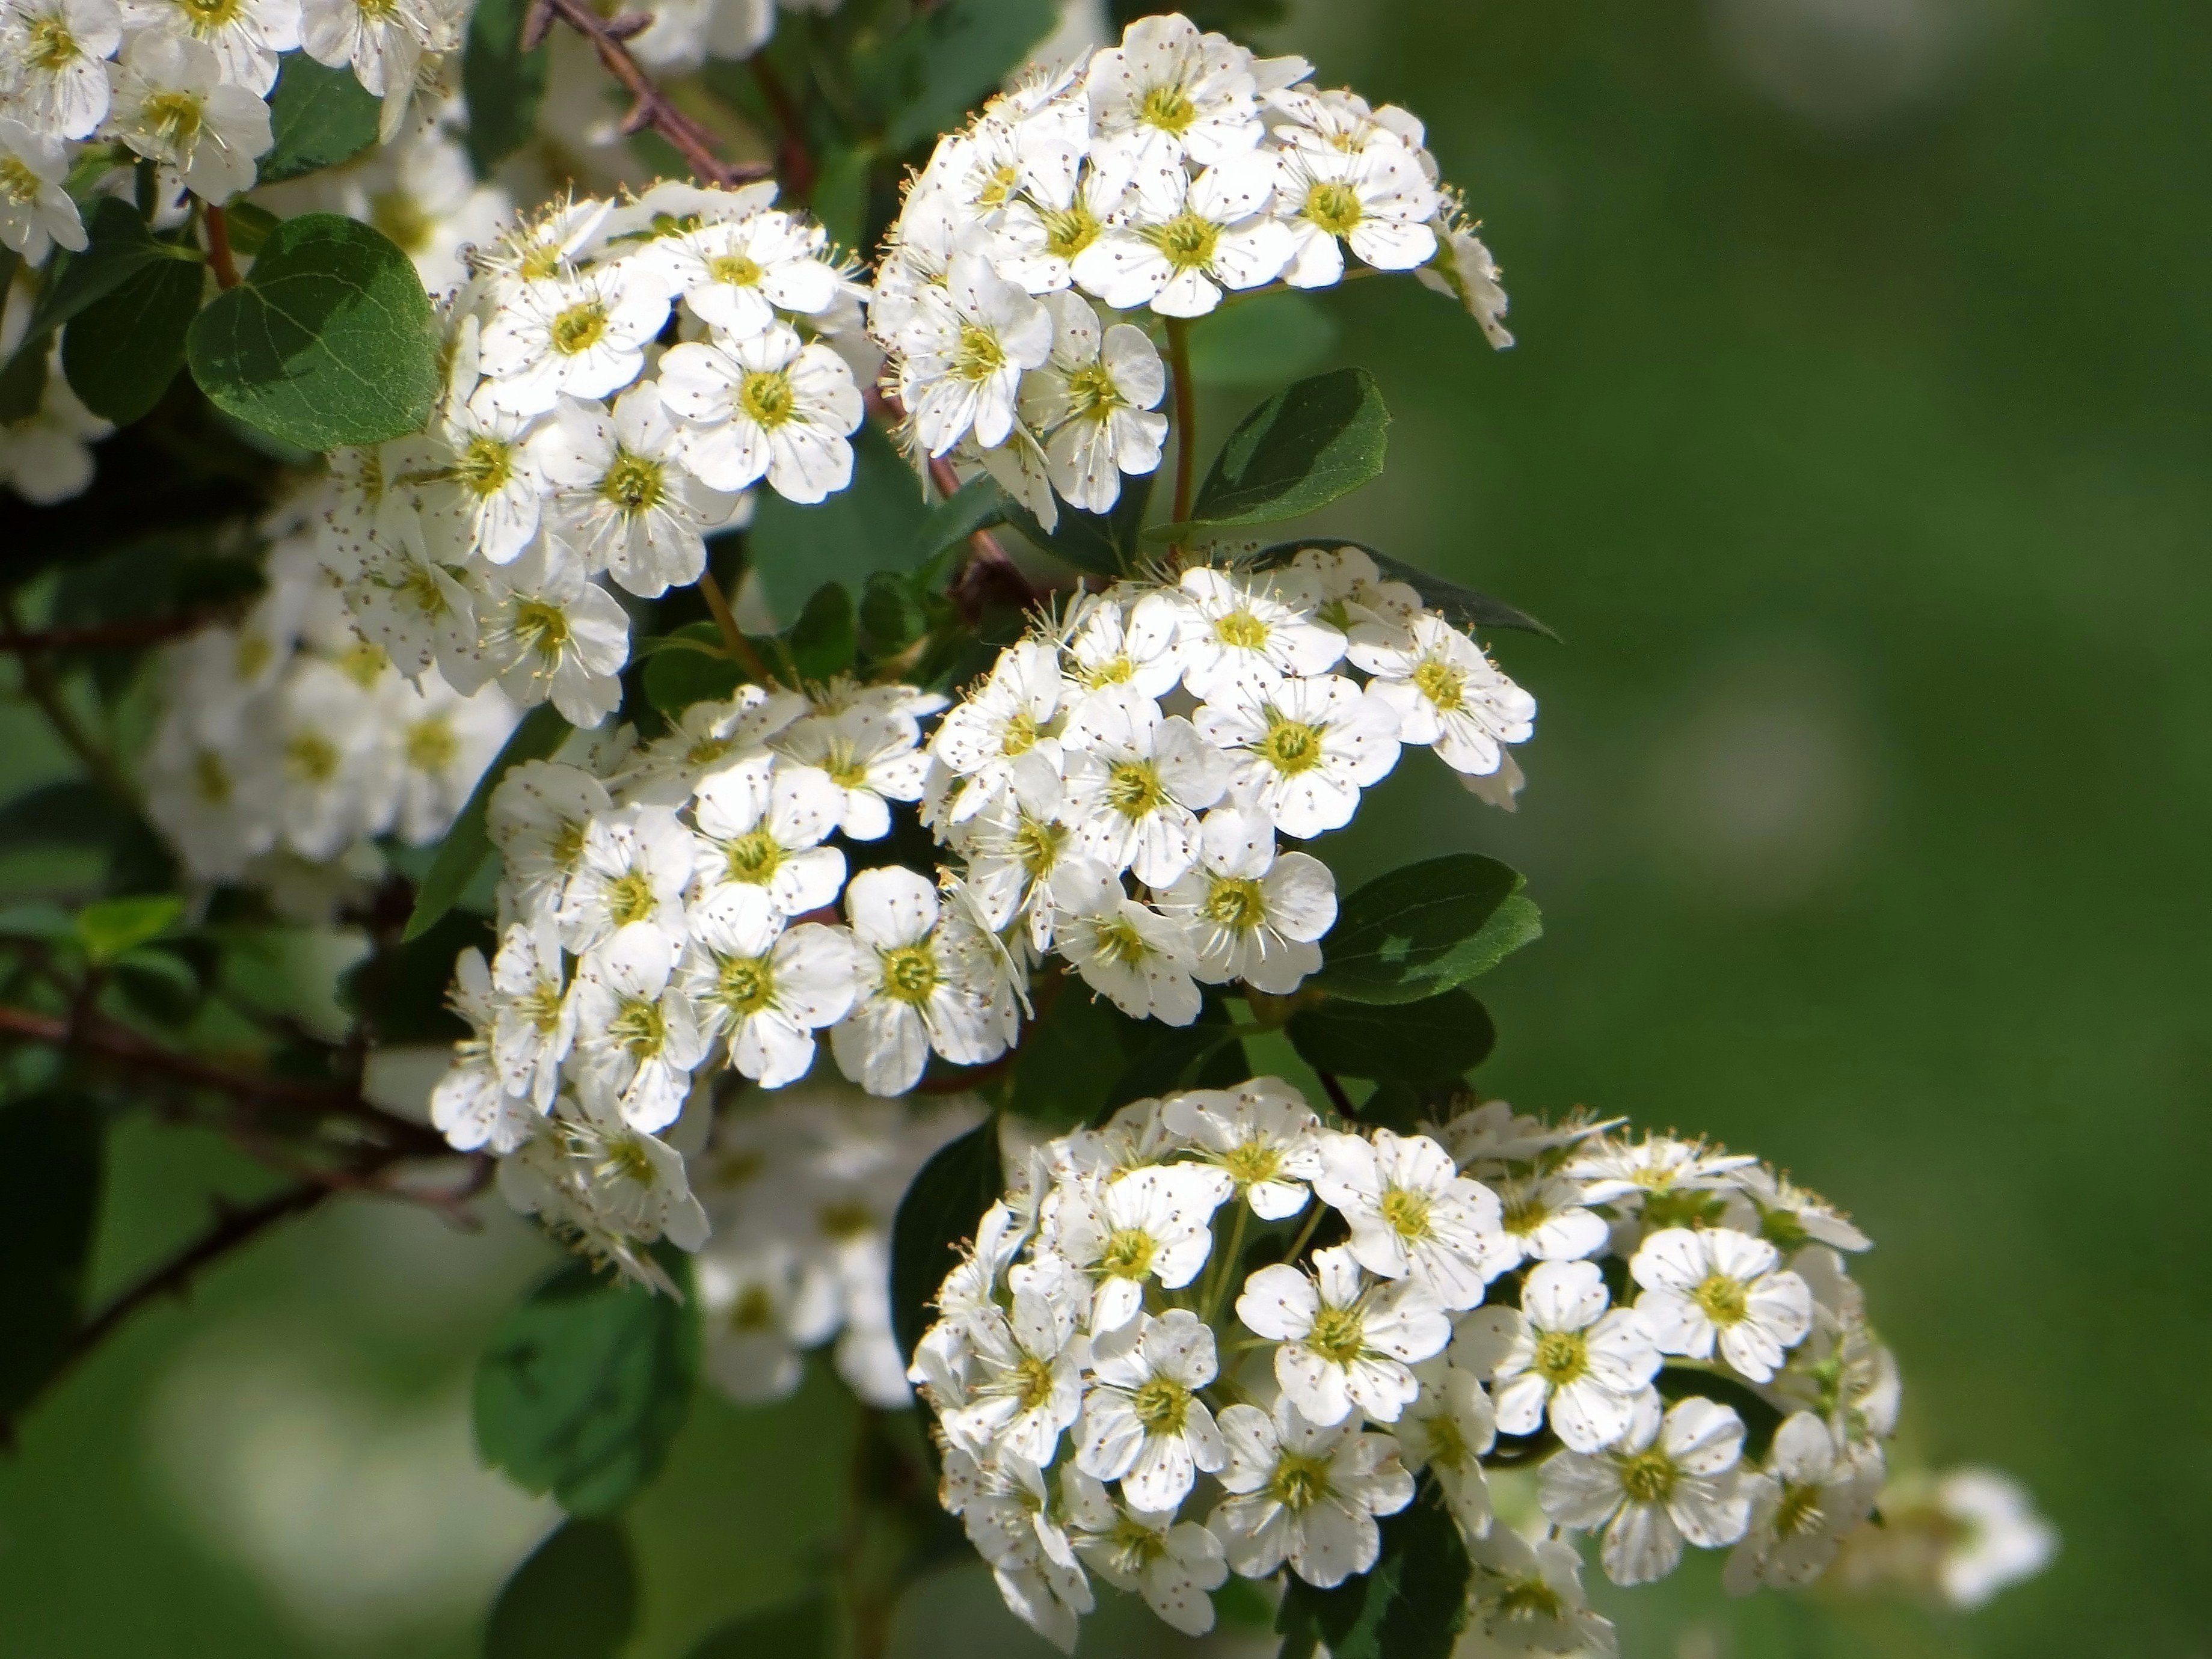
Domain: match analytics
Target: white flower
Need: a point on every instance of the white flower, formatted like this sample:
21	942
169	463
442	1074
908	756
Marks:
537	817
736	274
636	1031
1377	199
1135	784
549	632
1346	1342
1660	1181
444	742
1027	1375
1528	1598
584	334
213	799
1411	1214
964	348
755	1314
36	214
1143	1422
470	1105
1301	750
247	35
1012	848
412	606
1139	959
1253	915
634	1185
707	739
1151	1224
534	1023
47	457
631	868
1774	1207
169	102
1447	1430
928	978
1445	692
1352	589
51	60
991	732
1106	647
621	495
1035	240
766	988
870	755
1189	238
1305	1494
490	488
1237	626
764	829
1093	402
383	40
1996	1536
1813	1492
1667	1479
1715	1287
1545	1220
767	406
1492	1137
325	731
1463	269
1167	92
1564	1354
1262	1132
1171	1564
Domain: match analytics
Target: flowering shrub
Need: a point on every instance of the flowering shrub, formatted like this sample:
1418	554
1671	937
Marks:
748	712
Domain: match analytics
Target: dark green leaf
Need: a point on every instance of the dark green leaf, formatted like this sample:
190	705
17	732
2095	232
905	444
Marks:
1165	1058
1311	442
1261	341
51	1157
1427	927
399	994
938	1212
1415	1042
575	1598
873	525
1085	540
468	844
677	675
1411	1606
117	247
839	202
121	351
38	920
157	982
73	812
111	927
329	341
503	84
249	226
319	117
823	640
977	505
584	1387
952	56
1068	1061
893	613
790	1630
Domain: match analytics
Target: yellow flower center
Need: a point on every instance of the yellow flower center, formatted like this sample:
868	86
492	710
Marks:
567	843
1290	746
744	985
401	217
580	328
1021	734
541	627
753	857
1035	1383
1161	1406
1168	108
1236	903
767	398
52	47
173	117
1240	630
541	1006
1338	1335
910	973
735	268
1440	683
1119	941
1648	1477
486	466
431	745
753	1310
1037	844
978	356
17	182
1187	240
1448	1447
251	655
640	1027
1133	788
1298	1483
1091	390
1252	1162
845	1219
1528	1601
633	484
1335	208
211	778
311	758
1724	1299
1128	1254
1561	1357
1069	231
631	899
1799	1511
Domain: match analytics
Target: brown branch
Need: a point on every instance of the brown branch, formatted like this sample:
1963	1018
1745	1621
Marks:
649	106
108	635
1186	422
734	641
1337	1096
218	238
791	151
40	686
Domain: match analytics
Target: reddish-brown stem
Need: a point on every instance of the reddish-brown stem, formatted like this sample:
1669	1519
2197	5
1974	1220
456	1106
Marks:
108	635
791	152
1186	420
1337	1096
734	637
218	239
649	106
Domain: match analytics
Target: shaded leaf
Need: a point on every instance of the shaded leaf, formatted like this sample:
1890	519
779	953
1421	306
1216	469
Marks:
468	843
687	666
1204	1054
503	84
111	927
51	1153
329	341
822	643
1415	1042
73	812
790	1630
961	1180
873	525
399	993
122	350
951	56
1411	1606
1311	442
1426	927
574	1597
249	226
585	1386
1261	341
977	505
117	247
319	116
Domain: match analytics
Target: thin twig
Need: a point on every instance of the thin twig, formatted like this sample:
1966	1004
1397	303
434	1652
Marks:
218	237
791	152
1337	1096
649	106
40	686
734	637
1185	420
106	637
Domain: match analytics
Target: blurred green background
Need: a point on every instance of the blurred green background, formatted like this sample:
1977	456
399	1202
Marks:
1857	442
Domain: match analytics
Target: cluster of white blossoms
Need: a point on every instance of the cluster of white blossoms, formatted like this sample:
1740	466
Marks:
1160	175
572	450
1116	785
1219	1336
288	744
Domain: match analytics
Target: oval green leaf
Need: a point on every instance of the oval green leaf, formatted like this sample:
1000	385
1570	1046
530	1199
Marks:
941	1209
1427	927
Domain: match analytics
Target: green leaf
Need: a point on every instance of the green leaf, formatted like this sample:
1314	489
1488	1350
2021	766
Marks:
51	1152
319	117
1204	1054
329	341
893	613
121	351
1085	540
111	927
823	640
940	1210
584	1387
503	84
249	226
398	995
951	56
117	247
873	525
159	983
790	1630
73	812
687	666
1260	341
1068	1061
839	202
1462	607
38	920
1411	1606
1427	927
468	843
1311	442
977	505
1416	1043
575	1597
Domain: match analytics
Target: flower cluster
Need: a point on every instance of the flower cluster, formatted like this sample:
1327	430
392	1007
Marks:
1219	1336
1164	733
1169	170
570	446
289	743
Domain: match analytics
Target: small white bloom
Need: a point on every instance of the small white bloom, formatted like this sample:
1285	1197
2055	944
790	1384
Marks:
992	732
1254	914
1527	1597
445	741
1659	1181
1094	404
36	214
1997	1538
1305	1494
1190	239
170	103
1143	1422
1135	784
1028	1367
622	497
385	42
1447	1430
326	729
1262	1132
1774	1207
584	334
1562	1354
1130	953
1545	1219
1813	1491
537	817
707	739
247	35
1237	626
534	1022
490	488
635	1029
768	991
1377	199
736	274
768	406
764	829
1105	646
1463	269
1347	1341
52	53
754	1314
1669	1478
1300	752
964	349
470	1105
928	978
1167	92
631	869
1411	1214
872	755
548	632
1171	1564
1148	1224
1716	1288
412	606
